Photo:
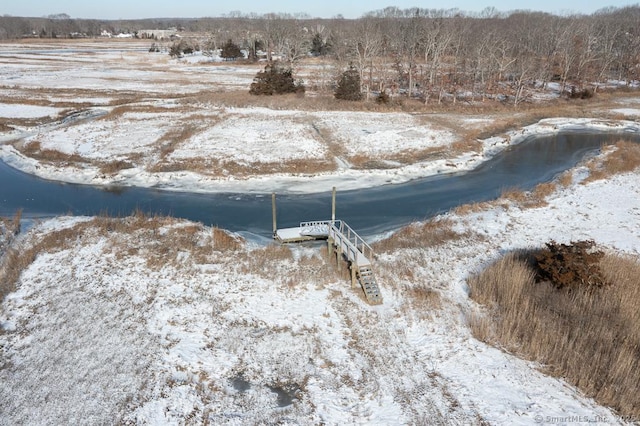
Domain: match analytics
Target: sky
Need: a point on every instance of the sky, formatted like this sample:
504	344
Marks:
128	9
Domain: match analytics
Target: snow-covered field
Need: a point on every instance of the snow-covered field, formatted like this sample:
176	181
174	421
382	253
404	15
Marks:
156	324
132	325
170	122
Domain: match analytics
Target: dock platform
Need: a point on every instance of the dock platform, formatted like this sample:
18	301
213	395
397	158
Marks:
343	243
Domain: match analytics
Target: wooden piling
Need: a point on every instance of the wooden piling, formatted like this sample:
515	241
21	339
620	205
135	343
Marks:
333	205
273	212
354	279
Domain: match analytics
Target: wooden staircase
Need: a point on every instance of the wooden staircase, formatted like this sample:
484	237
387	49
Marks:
369	284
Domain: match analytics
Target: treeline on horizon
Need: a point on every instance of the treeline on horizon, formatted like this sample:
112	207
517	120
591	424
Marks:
423	52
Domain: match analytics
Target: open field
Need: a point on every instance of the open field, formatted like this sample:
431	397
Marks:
155	320
111	113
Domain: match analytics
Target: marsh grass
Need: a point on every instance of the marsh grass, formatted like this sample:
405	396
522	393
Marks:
113	167
159	239
361	161
34	150
530	199
623	157
174	137
220	167
52	156
432	233
591	337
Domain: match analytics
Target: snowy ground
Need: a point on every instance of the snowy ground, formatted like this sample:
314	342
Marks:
170	124
157	325
112	326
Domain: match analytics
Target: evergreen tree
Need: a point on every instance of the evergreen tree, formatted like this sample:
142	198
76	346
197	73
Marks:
275	80
349	86
231	51
319	47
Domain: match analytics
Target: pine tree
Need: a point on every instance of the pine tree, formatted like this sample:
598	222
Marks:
349	86
231	51
275	80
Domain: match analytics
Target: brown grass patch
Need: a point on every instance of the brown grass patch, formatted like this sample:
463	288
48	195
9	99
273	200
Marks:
225	241
113	167
530	199
174	137
218	167
566	179
360	161
421	234
591	337
466	209
624	157
35	151
423	299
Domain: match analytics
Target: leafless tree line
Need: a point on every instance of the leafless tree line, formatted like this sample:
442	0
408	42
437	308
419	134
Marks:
433	55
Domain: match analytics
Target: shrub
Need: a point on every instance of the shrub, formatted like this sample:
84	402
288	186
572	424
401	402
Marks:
275	80
585	93
183	46
383	98
349	86
570	265
231	51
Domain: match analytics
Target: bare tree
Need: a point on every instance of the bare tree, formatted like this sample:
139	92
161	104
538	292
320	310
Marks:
364	45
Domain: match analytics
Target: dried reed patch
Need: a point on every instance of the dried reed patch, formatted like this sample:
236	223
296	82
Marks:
624	157
421	234
466	209
530	199
362	161
34	150
566	179
590	336
265	261
219	167
465	145
160	240
174	137
113	167
423	300
225	241
9	227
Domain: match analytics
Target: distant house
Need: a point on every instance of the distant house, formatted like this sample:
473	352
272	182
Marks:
169	34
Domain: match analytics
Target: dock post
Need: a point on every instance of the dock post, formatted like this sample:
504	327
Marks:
333	206
273	212
354	268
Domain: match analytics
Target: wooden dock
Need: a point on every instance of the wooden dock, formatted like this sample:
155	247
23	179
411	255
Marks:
343	243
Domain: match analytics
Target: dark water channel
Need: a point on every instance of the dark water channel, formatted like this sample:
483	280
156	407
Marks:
369	211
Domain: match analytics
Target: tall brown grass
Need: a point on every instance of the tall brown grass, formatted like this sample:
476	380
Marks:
34	150
421	234
591	337
530	199
623	158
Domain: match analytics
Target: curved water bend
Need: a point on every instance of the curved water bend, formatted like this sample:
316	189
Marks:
370	211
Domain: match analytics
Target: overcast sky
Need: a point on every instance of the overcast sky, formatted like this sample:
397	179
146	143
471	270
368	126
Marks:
132	9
